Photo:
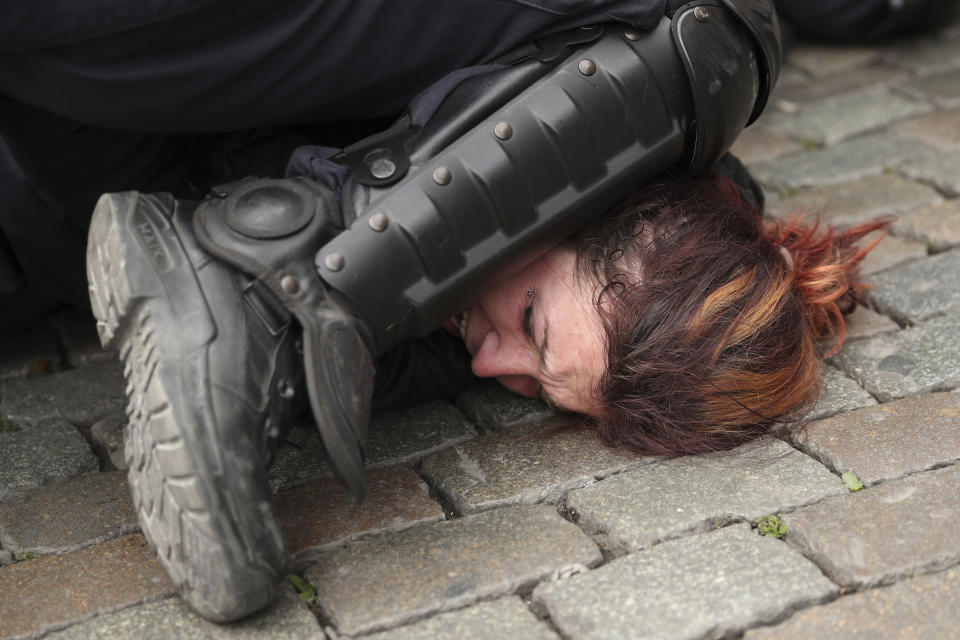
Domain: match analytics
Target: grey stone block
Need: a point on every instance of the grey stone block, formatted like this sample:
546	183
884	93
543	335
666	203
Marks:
924	607
405	436
756	144
938	226
287	618
395	579
639	508
395	437
925	56
839	393
79	396
821	61
908	362
864	322
503	618
941	169
490	406
108	433
857	158
713	585
30	354
68	515
848	80
850	203
523	465
943	89
892	251
45	452
920	290
833	119
890	440
884	533
940	129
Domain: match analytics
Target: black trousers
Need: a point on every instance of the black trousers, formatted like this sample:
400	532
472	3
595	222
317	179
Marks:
850	21
177	95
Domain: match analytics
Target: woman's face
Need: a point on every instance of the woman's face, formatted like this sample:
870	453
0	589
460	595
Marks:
539	334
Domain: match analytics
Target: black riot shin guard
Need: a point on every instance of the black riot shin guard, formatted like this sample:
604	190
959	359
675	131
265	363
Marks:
611	116
507	167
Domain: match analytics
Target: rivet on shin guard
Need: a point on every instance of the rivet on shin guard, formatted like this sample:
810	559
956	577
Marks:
503	130
334	261
442	176
378	221
290	284
702	14
587	67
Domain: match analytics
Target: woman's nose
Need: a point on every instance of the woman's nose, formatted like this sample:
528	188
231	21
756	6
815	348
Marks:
500	356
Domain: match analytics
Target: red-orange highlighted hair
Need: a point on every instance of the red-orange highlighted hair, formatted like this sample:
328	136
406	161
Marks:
713	333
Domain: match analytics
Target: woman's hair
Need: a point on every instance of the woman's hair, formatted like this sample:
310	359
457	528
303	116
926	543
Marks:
715	319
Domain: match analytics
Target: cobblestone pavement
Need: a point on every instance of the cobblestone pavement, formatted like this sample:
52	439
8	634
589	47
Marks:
484	520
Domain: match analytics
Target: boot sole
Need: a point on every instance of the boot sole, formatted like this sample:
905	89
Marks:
202	505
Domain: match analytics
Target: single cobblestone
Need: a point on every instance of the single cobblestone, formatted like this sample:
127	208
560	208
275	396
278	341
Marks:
924	607
890	440
79	396
523	465
639	508
924	56
398	437
839	393
503	618
46	452
288	618
52	592
942	170
756	144
883	533
821	61
322	516
395	437
938	227
108	434
943	89
490	406
847	81
940	129
711	585
851	203
865	156
837	118
64	516
864	322
892	252
302	460
395	579
920	290
908	362
30	354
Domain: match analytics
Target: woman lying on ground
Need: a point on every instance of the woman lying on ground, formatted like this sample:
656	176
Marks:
680	323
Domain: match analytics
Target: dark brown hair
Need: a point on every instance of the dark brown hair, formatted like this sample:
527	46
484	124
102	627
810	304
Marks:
713	331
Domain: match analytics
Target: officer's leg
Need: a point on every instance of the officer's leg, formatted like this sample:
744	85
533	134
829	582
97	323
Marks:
213	316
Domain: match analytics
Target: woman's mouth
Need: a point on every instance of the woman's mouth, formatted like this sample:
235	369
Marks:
462	321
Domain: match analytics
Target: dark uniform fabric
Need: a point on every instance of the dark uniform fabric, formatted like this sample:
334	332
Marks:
177	95
848	21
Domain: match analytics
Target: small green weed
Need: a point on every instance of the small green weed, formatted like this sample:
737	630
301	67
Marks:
305	591
6	424
851	481
788	192
771	527
24	555
810	144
